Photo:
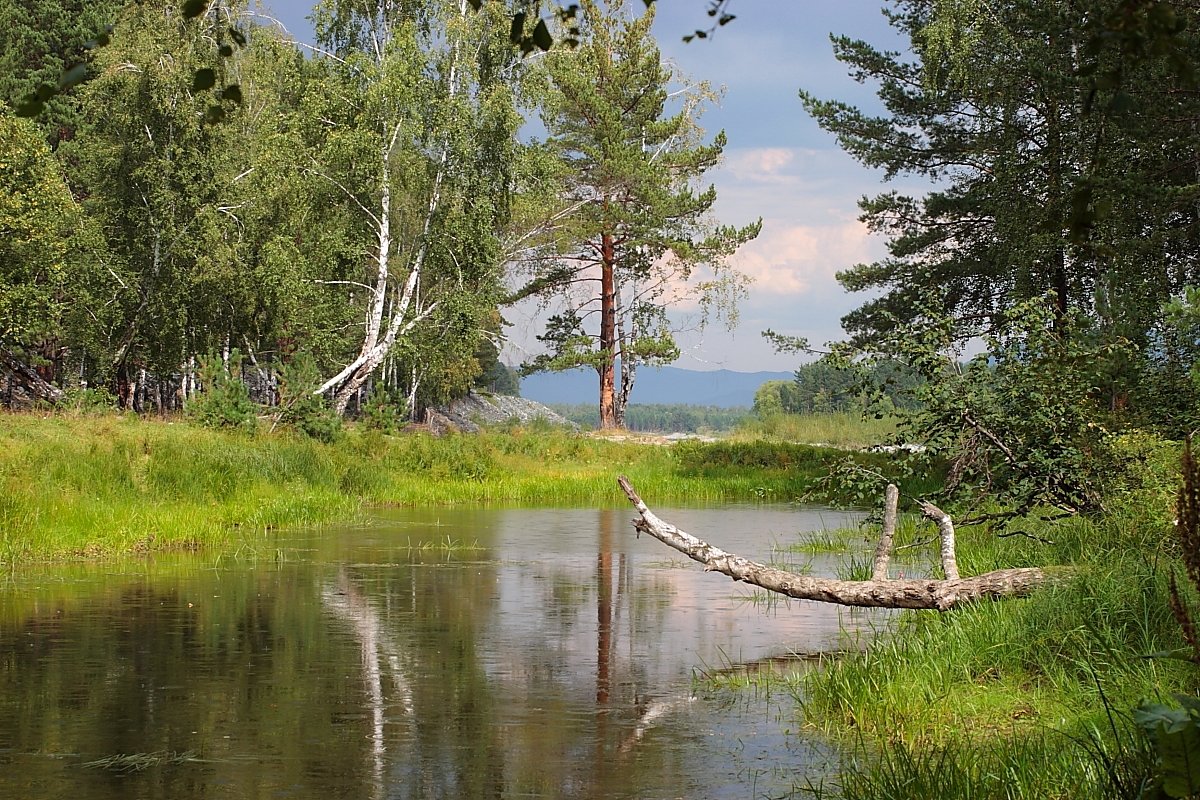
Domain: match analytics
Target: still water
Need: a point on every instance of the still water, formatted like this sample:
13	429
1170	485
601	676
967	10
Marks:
475	653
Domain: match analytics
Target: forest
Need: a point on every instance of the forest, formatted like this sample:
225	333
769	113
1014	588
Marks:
194	192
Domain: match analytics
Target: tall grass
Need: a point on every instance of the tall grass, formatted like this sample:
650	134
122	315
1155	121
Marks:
844	429
86	486
1019	698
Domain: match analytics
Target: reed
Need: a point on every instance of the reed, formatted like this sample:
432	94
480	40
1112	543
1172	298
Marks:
92	486
843	429
1017	698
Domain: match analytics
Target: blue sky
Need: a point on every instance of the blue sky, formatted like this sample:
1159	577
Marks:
779	166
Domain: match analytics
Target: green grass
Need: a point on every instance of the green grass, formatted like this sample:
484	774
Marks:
93	486
842	429
1018	698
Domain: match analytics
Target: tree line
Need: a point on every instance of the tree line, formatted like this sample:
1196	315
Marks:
1057	238
357	214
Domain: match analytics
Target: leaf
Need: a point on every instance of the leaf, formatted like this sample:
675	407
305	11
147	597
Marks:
204	79
226	51
476	4
541	35
194	8
214	115
1154	716
517	30
232	93
237	36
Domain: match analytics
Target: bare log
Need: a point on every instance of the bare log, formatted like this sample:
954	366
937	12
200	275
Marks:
939	595
883	553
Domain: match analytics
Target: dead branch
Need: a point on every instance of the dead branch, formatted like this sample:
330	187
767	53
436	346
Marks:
883	552
940	595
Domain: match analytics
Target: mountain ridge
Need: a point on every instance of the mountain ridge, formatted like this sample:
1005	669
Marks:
722	388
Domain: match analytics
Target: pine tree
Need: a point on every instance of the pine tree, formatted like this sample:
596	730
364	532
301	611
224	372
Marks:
638	230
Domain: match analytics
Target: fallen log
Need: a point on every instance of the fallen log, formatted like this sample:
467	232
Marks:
916	593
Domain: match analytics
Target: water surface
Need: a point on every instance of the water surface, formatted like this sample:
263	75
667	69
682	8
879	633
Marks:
463	653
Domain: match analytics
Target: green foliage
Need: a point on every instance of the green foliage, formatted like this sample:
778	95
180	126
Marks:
384	411
1175	732
302	409
87	401
43	237
1027	178
494	375
1020	426
223	401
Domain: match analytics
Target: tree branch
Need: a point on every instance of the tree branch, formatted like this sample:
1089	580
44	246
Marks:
939	595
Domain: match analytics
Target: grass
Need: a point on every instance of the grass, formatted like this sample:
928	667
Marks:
1019	698
136	762
93	486
843	429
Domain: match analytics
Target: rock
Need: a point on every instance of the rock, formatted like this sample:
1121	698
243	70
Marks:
468	414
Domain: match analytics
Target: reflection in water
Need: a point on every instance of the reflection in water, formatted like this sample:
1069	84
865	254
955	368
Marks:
555	662
347	602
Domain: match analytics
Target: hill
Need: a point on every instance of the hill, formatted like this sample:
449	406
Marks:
666	385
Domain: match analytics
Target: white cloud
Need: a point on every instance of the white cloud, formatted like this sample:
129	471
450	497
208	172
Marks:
761	165
803	259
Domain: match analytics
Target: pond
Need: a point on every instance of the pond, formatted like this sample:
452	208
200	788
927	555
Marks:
450	653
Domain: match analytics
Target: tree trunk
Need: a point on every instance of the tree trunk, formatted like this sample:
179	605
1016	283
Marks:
608	334
939	595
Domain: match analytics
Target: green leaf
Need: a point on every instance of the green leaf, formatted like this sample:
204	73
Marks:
237	36
541	35
517	30
194	8
204	79
476	4
226	51
232	93
214	115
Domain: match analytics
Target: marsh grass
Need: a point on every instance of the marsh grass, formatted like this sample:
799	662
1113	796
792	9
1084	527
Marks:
74	486
136	762
841	429
1028	764
1015	698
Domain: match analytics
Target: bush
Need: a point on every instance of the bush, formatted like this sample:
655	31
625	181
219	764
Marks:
224	400
302	410
385	411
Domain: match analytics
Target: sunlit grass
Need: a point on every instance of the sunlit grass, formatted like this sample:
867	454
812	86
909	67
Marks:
836	429
93	486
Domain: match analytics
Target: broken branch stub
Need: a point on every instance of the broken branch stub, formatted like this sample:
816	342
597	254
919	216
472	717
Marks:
939	595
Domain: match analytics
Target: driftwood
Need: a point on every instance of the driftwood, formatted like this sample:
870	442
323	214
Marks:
879	592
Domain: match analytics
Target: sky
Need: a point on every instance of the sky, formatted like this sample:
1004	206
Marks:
779	165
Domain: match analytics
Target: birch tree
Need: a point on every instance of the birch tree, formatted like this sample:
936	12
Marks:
416	126
639	238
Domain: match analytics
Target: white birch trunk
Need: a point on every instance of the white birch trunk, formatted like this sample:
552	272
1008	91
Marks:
378	339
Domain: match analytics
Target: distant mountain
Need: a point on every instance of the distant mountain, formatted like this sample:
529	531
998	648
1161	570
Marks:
722	388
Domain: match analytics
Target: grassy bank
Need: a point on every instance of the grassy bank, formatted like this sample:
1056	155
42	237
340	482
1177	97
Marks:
88	486
836	429
1021	698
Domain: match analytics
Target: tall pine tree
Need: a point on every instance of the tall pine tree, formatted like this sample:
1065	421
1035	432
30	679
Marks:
638	233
